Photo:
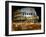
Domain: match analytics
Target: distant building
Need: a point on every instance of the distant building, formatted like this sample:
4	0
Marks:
26	14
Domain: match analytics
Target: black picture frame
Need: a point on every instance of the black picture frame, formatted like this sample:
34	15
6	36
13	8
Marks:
7	17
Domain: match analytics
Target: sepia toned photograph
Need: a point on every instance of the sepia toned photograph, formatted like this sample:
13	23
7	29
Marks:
24	18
